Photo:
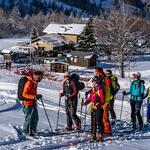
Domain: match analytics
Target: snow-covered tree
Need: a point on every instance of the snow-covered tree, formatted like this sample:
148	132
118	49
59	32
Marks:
87	40
122	33
15	19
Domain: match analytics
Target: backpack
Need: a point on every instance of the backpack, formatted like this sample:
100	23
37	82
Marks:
75	77
114	84
21	84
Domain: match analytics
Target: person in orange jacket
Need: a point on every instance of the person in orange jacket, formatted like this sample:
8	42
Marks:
29	103
108	98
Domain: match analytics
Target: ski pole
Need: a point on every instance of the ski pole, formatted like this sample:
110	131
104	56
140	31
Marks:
121	107
143	112
47	115
85	113
58	113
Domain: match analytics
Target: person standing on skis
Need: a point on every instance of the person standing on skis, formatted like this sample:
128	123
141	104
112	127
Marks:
106	106
96	100
29	103
114	88
70	92
136	91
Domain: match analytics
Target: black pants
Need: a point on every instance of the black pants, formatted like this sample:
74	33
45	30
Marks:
111	108
71	109
97	121
135	111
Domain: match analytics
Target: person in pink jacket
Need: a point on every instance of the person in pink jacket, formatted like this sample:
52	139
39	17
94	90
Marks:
96	101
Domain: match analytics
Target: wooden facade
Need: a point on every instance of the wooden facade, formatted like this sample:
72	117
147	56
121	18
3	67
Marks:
71	38
39	43
59	67
82	59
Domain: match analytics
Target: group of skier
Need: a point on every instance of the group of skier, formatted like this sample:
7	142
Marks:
101	98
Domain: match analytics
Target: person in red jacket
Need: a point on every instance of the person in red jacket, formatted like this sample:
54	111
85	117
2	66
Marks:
29	105
96	100
70	92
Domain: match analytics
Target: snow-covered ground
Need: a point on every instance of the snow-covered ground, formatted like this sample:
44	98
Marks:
11	114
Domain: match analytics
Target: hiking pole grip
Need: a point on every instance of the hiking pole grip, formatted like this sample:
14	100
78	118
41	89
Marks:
58	113
47	115
121	106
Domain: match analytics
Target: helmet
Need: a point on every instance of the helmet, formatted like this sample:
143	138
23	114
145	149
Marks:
137	75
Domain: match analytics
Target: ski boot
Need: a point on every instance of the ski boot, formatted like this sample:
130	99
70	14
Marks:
68	128
100	137
113	122
134	126
92	137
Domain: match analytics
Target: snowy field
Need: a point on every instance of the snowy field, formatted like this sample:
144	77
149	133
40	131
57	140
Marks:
12	115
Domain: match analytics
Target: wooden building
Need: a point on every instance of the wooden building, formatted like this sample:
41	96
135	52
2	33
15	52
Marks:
60	67
49	43
83	59
71	32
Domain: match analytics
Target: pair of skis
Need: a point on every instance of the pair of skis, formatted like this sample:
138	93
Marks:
57	123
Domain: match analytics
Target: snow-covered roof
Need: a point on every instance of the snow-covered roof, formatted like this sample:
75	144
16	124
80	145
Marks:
74	29
59	62
6	51
86	55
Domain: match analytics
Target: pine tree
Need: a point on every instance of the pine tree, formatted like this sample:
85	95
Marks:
87	40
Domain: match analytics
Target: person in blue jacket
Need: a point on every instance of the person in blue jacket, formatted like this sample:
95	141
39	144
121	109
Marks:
136	91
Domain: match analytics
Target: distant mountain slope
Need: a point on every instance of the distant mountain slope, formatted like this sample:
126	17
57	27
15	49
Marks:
84	7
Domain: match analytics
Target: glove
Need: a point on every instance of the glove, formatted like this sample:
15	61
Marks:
124	93
86	94
38	96
82	103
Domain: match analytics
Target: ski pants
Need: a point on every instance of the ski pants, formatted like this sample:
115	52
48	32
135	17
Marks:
71	109
97	121
107	126
135	111
31	118
111	108
148	112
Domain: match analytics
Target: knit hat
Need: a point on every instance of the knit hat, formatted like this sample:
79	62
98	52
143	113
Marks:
99	70
136	75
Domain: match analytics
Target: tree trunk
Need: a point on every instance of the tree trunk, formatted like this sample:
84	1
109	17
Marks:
122	69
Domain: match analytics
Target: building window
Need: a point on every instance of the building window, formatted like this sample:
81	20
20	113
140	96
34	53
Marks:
75	59
71	58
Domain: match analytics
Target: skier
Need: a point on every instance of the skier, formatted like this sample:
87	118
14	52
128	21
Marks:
148	104
136	91
70	92
106	106
96	100
29	103
114	89
101	75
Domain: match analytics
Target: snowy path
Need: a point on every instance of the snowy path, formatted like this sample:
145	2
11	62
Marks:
10	112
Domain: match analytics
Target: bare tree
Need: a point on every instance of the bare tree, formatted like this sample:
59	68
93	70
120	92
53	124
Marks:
122	34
